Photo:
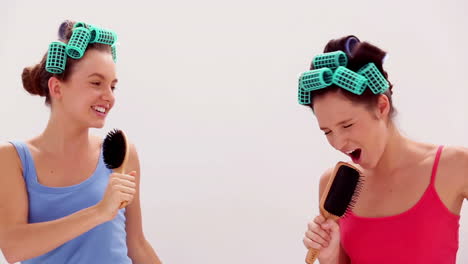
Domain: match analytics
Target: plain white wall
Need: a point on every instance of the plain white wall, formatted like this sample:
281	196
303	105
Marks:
207	92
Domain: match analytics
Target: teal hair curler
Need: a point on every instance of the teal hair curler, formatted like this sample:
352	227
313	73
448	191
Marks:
377	82
349	80
316	79
78	42
114	52
56	57
81	24
330	60
303	96
104	36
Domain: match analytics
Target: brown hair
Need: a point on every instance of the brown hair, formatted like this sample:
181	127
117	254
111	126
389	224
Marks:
359	55
36	78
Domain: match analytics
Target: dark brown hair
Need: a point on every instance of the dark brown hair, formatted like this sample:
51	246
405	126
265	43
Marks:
36	78
358	56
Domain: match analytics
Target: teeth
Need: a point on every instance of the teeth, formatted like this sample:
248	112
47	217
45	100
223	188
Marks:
349	152
99	109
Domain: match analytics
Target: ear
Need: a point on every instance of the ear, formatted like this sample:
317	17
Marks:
383	106
55	88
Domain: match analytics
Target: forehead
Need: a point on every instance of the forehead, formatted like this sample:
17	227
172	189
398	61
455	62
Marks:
332	108
96	61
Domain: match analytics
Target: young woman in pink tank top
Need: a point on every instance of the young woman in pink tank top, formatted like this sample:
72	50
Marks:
408	208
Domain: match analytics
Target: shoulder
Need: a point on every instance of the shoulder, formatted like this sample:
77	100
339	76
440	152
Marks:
133	159
8	156
454	165
455	157
324	179
455	154
12	170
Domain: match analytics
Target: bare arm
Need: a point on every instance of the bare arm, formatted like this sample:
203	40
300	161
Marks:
139	250
463	173
20	240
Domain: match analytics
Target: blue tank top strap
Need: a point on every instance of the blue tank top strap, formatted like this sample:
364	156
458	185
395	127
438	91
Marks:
25	157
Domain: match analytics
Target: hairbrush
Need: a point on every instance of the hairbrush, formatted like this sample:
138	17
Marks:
115	152
339	197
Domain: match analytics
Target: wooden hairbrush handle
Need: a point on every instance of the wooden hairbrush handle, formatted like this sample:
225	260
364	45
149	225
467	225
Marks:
122	171
343	192
312	255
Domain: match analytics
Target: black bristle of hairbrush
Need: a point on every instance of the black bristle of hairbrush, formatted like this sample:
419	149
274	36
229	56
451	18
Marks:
114	148
355	197
343	192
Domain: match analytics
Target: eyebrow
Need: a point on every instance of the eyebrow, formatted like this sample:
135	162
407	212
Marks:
339	123
100	76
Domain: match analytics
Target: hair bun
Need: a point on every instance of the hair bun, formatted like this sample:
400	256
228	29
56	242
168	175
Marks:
364	53
30	81
65	30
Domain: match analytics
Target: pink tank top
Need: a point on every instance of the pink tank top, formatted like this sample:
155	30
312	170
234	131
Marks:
425	234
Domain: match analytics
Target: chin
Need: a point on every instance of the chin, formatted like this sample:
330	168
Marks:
97	125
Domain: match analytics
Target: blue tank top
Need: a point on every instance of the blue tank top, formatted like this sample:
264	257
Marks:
105	243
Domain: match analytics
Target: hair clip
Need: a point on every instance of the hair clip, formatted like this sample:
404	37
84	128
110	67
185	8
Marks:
350	44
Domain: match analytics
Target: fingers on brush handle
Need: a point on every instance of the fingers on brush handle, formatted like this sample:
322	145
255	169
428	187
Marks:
123	205
312	255
121	170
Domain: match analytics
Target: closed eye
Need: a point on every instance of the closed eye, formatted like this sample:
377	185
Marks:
350	125
96	83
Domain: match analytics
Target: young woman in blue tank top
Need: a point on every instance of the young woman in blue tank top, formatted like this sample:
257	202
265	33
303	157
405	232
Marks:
60	204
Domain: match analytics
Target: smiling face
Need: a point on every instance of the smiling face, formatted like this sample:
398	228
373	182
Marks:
86	97
353	128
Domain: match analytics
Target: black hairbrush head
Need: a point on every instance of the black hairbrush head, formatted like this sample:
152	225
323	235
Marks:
343	191
114	149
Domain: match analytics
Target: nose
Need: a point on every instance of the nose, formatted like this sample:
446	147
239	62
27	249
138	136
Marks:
108	95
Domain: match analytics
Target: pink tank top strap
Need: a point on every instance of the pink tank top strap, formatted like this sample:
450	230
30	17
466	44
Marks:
436	164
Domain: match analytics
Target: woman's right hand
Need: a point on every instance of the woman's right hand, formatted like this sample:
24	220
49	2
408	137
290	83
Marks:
324	235
120	189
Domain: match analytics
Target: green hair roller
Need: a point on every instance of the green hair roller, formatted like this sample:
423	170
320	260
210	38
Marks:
330	60
377	82
349	80
103	36
114	52
78	42
303	96
316	79
81	24
56	57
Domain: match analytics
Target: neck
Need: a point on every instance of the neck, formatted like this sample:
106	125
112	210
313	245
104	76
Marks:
394	154
63	137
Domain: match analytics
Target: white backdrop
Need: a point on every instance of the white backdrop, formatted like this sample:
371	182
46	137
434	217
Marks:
207	92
